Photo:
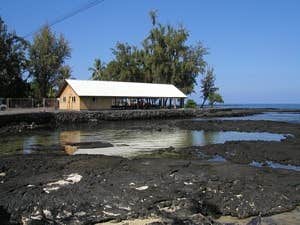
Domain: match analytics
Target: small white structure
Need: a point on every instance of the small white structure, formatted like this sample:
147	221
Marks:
94	95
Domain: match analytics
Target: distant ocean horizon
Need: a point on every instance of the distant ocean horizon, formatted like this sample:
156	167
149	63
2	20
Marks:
259	106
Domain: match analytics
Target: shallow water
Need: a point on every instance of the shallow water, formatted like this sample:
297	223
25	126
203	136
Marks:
125	141
275	165
270	116
217	158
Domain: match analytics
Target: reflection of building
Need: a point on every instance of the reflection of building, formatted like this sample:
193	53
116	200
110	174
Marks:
70	150
94	95
67	137
70	136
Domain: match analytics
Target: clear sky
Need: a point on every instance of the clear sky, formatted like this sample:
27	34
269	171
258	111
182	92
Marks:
254	44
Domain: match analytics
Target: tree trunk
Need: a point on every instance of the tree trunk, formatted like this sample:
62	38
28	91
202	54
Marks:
204	100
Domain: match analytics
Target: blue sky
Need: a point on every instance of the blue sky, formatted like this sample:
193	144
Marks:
254	44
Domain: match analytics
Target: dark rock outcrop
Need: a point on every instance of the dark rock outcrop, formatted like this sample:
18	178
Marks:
93	189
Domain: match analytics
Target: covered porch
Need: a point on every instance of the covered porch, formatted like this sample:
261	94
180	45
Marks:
146	103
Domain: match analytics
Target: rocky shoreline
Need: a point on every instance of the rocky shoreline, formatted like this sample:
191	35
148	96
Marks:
285	151
95	189
173	186
18	122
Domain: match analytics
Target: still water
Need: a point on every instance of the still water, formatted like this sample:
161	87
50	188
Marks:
270	116
125	142
275	165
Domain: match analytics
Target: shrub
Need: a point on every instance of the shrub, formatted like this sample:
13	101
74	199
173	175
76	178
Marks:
190	104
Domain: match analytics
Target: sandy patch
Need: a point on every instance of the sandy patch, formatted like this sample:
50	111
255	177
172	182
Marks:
292	217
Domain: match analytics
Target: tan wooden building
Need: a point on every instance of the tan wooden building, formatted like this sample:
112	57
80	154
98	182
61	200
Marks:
98	95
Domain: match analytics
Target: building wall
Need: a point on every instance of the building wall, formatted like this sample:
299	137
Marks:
68	100
94	103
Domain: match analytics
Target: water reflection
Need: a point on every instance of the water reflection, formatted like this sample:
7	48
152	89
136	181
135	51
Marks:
38	141
124	141
275	165
205	137
28	143
127	142
217	158
70	136
220	137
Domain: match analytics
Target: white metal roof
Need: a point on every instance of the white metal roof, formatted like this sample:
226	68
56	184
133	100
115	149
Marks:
124	89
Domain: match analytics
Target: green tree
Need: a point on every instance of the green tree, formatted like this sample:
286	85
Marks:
127	65
168	58
153	16
13	64
165	57
98	70
47	56
208	85
65	72
215	98
190	104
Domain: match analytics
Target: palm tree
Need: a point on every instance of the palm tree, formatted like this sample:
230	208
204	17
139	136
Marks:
98	70
153	16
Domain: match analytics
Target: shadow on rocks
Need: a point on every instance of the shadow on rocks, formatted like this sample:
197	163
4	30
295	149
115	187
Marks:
5	217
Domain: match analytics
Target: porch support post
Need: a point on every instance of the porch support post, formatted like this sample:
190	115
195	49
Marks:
182	102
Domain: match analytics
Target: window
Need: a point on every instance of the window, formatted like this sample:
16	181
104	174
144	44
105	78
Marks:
64	99
94	99
74	99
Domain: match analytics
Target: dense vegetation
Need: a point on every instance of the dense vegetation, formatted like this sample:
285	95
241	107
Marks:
190	104
13	63
32	69
165	57
208	88
215	98
38	69
47	55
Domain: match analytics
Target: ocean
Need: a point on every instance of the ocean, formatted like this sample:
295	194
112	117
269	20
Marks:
288	116
259	106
